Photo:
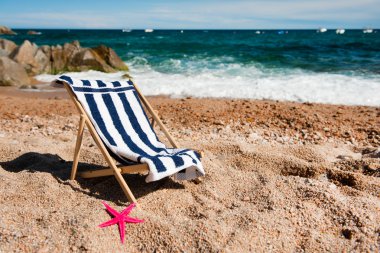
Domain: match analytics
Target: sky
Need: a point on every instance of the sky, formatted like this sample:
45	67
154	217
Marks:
192	14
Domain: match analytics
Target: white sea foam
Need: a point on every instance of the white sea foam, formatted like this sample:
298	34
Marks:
231	80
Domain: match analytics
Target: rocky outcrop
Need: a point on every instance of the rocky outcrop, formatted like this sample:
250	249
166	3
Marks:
86	59
12	73
33	33
42	60
55	59
6	47
110	57
100	58
6	30
24	55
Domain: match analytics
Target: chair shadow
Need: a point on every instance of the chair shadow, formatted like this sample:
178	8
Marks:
105	188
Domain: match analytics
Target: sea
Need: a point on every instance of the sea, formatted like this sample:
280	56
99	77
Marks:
285	65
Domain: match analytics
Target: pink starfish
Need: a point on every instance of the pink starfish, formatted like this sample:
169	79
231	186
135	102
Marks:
120	218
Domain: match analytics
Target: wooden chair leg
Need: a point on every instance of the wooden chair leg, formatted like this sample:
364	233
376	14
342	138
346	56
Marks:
111	163
77	147
123	184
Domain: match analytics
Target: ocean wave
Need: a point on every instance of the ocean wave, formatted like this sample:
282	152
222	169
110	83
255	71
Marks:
231	80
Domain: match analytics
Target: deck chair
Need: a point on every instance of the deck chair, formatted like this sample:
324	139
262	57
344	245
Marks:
115	115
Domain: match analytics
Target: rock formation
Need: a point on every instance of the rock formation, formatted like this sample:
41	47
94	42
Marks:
6	47
24	54
110	57
6	30
12	73
34	60
33	33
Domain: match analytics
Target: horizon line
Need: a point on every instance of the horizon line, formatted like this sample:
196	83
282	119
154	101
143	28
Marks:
203	29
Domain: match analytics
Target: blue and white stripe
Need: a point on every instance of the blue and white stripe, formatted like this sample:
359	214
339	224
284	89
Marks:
117	115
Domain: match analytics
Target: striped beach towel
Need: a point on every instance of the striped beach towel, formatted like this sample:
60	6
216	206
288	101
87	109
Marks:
116	112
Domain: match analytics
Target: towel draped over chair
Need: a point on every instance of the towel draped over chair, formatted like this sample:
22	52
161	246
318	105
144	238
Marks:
118	116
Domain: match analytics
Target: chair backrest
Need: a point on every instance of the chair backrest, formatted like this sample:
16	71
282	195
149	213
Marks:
118	116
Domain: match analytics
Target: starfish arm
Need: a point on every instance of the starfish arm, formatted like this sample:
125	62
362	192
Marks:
109	223
110	209
122	230
128	209
132	220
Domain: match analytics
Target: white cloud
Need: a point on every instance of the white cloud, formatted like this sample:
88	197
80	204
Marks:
62	20
216	14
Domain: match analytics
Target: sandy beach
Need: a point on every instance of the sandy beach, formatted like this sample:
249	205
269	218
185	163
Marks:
281	177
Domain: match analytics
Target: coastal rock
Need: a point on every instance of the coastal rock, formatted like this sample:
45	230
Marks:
12	73
24	54
110	57
57	59
88	59
6	47
70	49
72	57
33	33
3	52
42	61
6	30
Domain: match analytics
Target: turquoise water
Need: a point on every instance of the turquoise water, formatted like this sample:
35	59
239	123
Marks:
300	65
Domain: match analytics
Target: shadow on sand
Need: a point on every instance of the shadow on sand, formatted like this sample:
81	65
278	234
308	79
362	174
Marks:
105	188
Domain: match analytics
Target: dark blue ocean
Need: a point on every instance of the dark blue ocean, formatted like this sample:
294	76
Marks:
297	65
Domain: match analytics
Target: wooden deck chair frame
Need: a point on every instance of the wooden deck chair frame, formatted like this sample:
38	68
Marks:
117	171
